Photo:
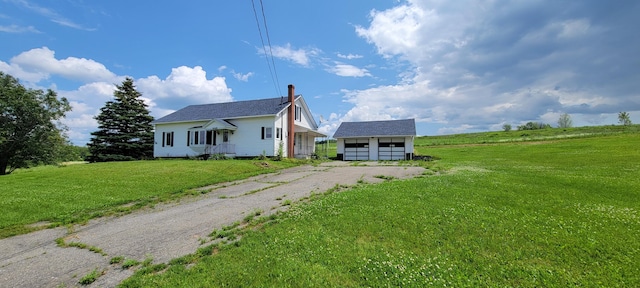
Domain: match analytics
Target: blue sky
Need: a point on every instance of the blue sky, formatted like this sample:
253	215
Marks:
454	66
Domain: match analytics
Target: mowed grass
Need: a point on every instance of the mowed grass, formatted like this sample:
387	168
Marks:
74	193
540	214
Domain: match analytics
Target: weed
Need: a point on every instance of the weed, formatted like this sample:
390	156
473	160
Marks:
254	213
286	202
90	278
62	243
116	260
128	263
147	261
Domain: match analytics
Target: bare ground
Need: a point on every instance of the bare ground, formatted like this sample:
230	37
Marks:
168	231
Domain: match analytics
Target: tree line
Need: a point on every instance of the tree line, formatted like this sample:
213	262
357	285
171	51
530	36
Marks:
563	122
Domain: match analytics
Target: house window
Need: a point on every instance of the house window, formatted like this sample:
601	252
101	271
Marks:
225	136
298	114
266	133
199	137
167	139
278	133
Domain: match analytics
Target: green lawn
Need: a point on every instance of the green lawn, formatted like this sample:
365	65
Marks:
547	214
68	194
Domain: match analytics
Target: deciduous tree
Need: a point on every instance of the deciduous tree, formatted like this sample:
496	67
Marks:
124	128
565	121
30	132
624	119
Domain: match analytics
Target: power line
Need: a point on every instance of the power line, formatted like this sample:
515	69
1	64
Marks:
266	29
264	48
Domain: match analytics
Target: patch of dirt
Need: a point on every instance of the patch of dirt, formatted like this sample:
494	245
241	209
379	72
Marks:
40	225
262	164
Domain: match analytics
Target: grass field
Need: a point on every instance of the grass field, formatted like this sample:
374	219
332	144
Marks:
53	196
554	213
552	208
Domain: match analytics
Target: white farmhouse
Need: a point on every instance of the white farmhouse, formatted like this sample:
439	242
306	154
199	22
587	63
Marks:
239	129
376	140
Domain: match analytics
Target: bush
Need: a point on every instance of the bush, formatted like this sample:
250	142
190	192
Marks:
534	126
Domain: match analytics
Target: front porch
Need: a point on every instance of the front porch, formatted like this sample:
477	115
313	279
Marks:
304	146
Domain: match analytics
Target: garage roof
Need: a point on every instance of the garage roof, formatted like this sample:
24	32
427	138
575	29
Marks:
405	127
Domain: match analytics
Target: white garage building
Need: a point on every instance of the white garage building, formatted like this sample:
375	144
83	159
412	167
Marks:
376	140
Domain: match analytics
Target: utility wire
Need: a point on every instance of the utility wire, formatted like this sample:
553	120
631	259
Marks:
264	48
266	29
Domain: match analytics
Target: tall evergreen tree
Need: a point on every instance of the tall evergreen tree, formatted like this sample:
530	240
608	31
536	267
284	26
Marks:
124	128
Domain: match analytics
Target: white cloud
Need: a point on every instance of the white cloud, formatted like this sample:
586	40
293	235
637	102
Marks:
242	77
298	56
18	29
51	14
39	63
349	56
347	70
185	85
476	64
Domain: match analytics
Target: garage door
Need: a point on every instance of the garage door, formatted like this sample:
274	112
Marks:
391	149
356	149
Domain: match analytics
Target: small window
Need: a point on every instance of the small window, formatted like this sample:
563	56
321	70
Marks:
278	133
225	136
167	139
266	133
298	114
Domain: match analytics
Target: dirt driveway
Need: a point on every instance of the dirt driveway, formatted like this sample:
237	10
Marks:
170	230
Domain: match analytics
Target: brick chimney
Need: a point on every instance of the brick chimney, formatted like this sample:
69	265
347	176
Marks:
290	119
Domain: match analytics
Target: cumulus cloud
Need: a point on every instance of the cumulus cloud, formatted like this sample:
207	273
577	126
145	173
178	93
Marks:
184	86
481	63
39	63
299	56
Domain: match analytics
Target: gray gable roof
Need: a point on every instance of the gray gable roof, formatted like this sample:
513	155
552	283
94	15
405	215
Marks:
406	127
249	108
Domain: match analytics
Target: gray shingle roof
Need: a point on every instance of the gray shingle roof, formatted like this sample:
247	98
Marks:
270	106
406	127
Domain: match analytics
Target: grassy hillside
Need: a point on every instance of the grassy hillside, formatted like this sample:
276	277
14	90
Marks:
68	194
543	213
525	136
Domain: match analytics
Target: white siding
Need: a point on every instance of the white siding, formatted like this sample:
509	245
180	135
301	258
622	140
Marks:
307	119
179	148
248	138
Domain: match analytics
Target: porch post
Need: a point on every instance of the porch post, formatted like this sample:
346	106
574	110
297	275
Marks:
290	119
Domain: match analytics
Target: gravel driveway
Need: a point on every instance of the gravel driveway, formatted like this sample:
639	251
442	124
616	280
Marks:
169	231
